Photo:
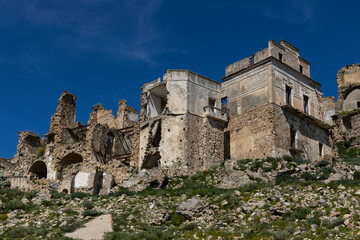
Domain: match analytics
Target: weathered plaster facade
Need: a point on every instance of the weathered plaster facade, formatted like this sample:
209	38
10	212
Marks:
181	126
273	86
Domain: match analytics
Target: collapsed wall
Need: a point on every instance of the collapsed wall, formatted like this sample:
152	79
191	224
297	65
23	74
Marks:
75	157
347	116
181	123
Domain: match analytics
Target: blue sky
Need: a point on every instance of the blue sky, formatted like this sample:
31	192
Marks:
105	50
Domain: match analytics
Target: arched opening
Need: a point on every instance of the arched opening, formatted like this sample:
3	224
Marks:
38	170
71	158
65	191
352	99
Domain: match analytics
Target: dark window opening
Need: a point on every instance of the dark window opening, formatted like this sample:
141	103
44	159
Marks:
109	144
252	61
358	104
292	137
227	145
301	68
320	149
98	182
306	104
288	95
280	57
156	134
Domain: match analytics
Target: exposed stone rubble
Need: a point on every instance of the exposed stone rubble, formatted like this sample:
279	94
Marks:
193	207
74	157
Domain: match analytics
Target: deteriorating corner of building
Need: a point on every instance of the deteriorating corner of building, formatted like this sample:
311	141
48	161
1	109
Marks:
266	106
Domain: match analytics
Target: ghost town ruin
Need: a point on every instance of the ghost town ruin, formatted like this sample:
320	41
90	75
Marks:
266	106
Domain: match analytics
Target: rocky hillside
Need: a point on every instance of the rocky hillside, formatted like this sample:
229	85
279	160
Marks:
248	199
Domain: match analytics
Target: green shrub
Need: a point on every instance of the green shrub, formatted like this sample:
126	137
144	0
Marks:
121	191
282	234
357	175
3	217
88	205
40	152
11	193
325	172
190	226
91	213
322	163
79	195
56	195
308	176
47	203
14	204
256	165
285	179
176	218
298	213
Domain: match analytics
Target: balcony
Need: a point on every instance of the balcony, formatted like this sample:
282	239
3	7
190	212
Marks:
217	114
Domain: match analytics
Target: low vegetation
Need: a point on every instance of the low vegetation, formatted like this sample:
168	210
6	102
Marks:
295	205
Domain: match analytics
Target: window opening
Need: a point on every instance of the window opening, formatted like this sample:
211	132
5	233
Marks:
301	68
292	137
224	103
358	104
288	95
320	149
306	104
280	57
212	103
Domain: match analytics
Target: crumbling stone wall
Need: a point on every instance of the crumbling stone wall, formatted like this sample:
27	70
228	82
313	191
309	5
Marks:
328	109
252	133
101	151
265	132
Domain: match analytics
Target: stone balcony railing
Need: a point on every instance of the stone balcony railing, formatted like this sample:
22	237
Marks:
216	113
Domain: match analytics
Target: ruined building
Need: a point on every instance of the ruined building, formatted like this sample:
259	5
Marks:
266	106
76	157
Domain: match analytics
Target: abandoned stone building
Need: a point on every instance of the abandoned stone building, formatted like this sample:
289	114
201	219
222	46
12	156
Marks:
76	157
266	106
275	108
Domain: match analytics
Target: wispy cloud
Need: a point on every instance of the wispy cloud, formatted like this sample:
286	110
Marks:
120	29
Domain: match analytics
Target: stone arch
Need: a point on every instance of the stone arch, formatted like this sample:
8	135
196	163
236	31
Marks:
38	169
351	99
69	159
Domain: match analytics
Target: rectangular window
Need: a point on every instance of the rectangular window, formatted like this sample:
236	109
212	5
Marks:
292	137
212	103
224	103
358	104
288	95
252	61
320	149
306	104
301	68
280	57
